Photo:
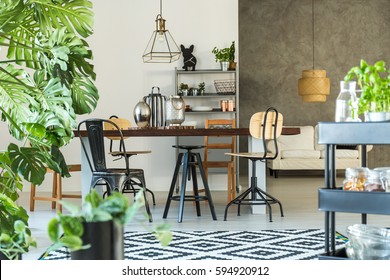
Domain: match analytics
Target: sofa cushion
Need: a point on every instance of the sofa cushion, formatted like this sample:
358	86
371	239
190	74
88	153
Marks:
344	154
302	141
317	146
285	154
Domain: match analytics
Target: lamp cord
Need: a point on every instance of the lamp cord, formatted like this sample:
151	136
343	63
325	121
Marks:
161	8
312	14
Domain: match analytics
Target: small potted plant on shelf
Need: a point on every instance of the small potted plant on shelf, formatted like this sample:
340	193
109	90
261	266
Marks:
222	56
15	238
232	51
108	216
201	88
226	57
374	82
183	89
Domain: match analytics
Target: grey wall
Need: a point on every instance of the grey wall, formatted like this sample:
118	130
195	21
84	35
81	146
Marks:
276	44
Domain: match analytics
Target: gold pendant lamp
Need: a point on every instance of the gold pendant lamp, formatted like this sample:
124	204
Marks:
314	86
161	48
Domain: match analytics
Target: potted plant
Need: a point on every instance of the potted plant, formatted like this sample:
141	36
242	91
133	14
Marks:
232	57
225	56
46	81
183	89
15	237
374	82
77	231
201	88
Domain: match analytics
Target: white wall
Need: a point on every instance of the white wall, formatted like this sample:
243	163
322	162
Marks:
121	32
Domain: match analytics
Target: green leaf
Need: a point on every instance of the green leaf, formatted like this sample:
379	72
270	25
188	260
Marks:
53	229
28	162
76	15
71	225
84	95
72	242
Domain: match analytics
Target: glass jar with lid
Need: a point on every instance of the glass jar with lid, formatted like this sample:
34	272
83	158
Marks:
385	177
373	182
355	179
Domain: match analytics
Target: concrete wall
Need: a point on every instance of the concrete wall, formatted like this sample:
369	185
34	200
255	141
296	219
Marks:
276	44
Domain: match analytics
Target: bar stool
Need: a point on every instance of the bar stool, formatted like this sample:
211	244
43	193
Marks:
189	159
56	191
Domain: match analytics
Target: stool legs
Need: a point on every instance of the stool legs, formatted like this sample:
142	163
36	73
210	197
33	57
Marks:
257	197
206	187
188	160
172	188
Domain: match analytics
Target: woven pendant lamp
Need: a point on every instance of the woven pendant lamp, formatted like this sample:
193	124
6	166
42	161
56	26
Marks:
314	86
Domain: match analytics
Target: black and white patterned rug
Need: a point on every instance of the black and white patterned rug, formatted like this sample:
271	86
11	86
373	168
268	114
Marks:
284	244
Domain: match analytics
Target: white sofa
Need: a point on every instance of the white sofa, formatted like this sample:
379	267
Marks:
302	152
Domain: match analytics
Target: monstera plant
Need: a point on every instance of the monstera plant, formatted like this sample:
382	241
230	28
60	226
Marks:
46	80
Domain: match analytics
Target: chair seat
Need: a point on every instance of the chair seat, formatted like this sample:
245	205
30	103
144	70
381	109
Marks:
128	153
251	155
188	147
119	171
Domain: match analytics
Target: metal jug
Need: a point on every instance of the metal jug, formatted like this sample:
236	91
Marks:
174	108
156	102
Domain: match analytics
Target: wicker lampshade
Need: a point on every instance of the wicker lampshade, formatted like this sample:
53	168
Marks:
314	86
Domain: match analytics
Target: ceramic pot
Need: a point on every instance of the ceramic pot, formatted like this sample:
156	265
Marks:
106	242
142	114
224	65
377	116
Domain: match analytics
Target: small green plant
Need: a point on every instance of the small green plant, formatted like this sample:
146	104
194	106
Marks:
202	86
67	230
183	86
225	54
15	238
221	54
374	81
232	51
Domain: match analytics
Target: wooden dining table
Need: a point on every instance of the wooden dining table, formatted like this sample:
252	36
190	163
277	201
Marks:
166	131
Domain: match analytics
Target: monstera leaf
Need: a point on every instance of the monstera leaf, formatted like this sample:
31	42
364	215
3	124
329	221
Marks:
45	81
29	162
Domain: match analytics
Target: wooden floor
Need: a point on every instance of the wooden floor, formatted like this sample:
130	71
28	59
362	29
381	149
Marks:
297	193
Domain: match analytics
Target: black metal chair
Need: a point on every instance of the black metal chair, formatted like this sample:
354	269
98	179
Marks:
266	126
94	148
131	186
189	160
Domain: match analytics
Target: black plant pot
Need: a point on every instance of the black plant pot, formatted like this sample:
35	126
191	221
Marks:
106	240
4	258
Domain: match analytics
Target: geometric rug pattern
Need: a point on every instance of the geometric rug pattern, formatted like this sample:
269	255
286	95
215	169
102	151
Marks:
284	244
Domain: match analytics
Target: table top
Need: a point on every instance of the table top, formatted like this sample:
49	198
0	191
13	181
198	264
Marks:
162	131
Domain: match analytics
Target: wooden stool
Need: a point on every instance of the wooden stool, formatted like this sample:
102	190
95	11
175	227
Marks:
56	191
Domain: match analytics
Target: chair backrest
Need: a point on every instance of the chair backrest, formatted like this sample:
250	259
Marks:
228	144
96	154
267	126
121	123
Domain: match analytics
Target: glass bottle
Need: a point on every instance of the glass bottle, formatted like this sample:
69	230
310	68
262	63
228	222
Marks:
346	103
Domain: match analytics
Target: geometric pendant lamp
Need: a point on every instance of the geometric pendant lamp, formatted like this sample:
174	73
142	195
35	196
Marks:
313	86
161	48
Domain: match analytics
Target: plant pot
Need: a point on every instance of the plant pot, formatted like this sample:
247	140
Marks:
377	116
105	239
4	257
224	65
232	65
